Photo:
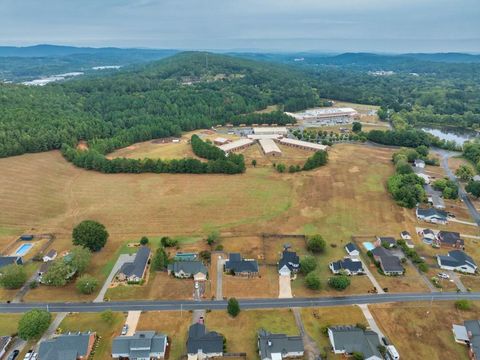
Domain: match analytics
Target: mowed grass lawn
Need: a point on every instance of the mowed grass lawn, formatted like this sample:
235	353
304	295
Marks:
241	332
421	331
93	322
9	323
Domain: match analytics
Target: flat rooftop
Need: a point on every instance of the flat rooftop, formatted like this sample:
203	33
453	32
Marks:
301	143
236	144
324	112
269	146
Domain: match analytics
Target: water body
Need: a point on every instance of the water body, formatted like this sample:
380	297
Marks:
458	135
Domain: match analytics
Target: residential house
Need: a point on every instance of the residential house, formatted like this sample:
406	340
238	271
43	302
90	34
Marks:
352	249
419	163
187	269
449	239
289	263
434	197
71	346
432	215
428	236
185	256
386	241
457	260
348	340
279	346
241	267
347	265
469	334
146	345
389	263
202	344
134	271
9	260
4	342
50	256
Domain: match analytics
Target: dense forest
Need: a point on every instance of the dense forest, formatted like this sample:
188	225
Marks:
194	90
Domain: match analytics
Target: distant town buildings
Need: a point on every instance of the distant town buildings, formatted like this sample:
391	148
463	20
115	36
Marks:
325	116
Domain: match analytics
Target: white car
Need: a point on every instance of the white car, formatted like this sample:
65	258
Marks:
30	355
443	276
124	329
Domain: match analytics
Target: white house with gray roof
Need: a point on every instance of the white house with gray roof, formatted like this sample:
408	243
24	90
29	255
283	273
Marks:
187	269
203	344
469	334
71	346
457	260
143	345
351	339
279	346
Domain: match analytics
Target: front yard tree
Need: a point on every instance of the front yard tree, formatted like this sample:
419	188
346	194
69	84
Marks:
144	240
233	307
464	173
312	281
107	316
473	187
160	260
308	264
356	127
316	244
90	234
213	238
87	284
57	273
12	277
33	324
340	282
80	258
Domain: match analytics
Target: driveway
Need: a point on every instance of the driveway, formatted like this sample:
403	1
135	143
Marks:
197	315
312	352
456	280
219	290
285	288
371	321
122	259
18	344
372	278
132	322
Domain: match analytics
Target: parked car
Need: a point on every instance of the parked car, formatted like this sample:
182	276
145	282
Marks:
13	355
385	341
124	329
443	276
30	355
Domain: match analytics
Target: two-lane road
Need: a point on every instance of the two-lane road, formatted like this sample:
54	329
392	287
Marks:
245	304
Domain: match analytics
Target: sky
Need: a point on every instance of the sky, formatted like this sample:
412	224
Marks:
389	26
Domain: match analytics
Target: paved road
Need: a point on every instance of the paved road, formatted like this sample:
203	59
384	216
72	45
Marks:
245	304
122	259
445	155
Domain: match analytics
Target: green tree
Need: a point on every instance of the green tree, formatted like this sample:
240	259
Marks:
254	163
356	127
473	187
86	284
160	260
308	264
213	237
33	324
463	305
464	173
403	167
357	356
168	242
233	307
12	276
80	259
90	234
316	244
422	150
144	240
107	316
339	282
312	281
57	274
281	168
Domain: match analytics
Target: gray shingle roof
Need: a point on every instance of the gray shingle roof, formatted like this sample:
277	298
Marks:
473	329
9	260
137	267
390	263
200	339
351	247
450	237
456	258
64	347
239	265
347	264
141	344
353	339
278	343
431	212
188	267
290	259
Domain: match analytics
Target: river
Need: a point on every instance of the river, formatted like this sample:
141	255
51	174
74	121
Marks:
458	135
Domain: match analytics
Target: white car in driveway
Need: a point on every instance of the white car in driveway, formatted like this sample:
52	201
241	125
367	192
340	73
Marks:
443	276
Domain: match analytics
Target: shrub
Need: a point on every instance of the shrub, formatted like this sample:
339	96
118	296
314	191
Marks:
463	305
168	242
213	237
316	244
233	307
308	264
33	324
219	247
107	316
144	240
160	260
339	282
87	284
312	281
13	276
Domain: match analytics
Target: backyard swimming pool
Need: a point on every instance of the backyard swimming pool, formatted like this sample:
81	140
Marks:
23	249
368	245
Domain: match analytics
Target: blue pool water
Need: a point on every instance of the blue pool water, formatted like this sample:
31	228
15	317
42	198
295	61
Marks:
368	245
23	249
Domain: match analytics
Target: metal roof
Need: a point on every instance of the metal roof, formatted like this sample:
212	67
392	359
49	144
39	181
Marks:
236	144
302	143
269	146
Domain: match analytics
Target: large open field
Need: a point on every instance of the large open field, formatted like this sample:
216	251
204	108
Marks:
44	193
422	331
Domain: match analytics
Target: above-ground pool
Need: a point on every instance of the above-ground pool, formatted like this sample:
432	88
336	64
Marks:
23	249
368	245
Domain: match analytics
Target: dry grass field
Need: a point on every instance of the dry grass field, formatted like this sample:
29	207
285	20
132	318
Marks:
263	286
174	324
9	324
93	322
241	332
44	193
421	331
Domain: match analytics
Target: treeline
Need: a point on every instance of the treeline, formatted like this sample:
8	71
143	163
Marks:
318	159
205	150
274	117
471	151
93	160
409	137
